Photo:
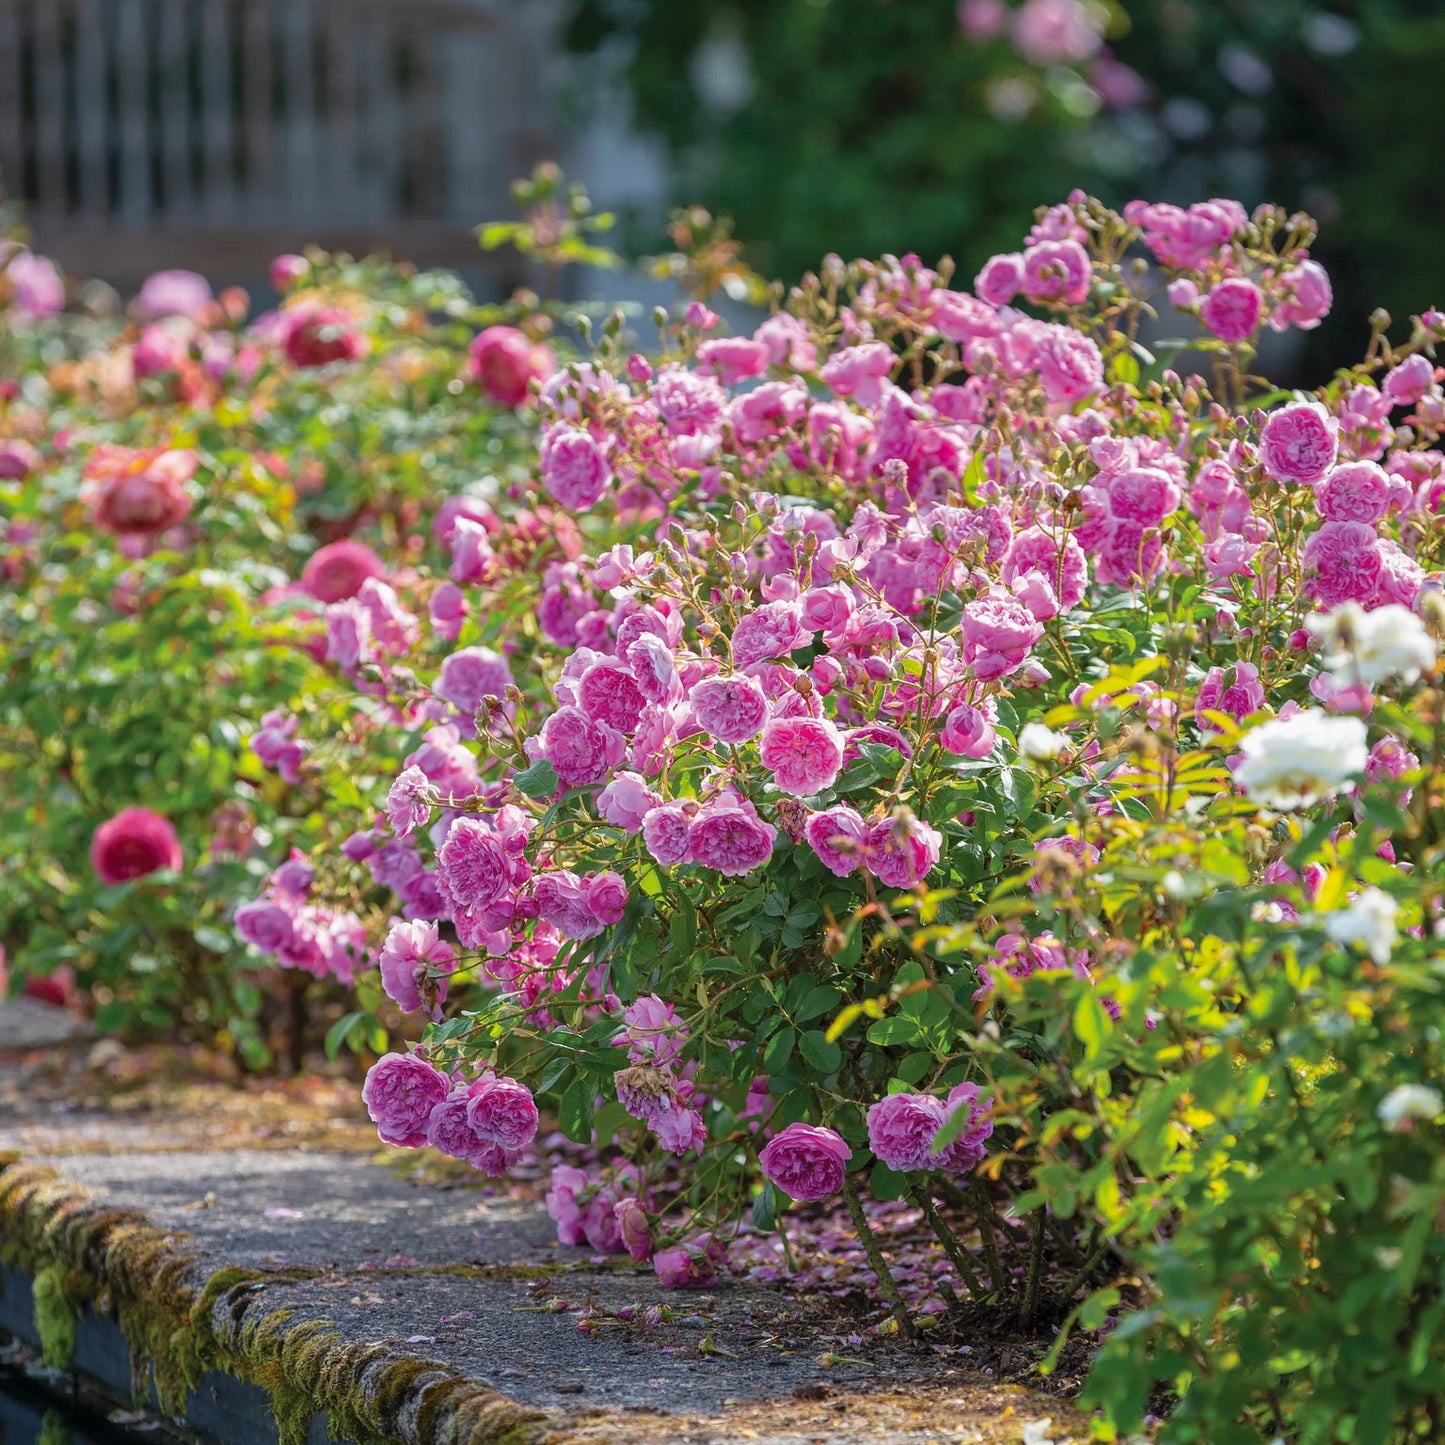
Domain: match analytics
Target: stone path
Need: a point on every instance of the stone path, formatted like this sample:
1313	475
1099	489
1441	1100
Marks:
476	1282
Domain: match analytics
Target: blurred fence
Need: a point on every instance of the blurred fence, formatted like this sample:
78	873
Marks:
215	133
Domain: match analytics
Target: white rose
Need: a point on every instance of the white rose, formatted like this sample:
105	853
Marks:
1372	647
1409	1101
1369	920
1292	762
1040	744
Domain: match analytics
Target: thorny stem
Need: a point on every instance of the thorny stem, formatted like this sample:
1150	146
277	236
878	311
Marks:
946	1237
990	1245
1030	1304
886	1282
1087	1268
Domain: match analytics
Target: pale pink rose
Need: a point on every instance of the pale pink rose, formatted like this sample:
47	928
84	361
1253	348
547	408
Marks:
412	952
580	749
448	609
1001	279
1307	295
806	1162
1057	271
693	1265
606	895
1069	364
1055	32
400	1093
804	754
967	732
733	359
626	801
1406	383
998	632
469	675
860	371
839	837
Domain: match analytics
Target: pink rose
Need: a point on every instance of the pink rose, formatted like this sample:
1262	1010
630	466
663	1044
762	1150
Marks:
574	471
134	843
608	693
265	926
693	1265
733	359
1057	271
606	896
471	674
626	801
1059	557
804	754
730	840
967	732
1307	295
667	832
313	334
473	865
839	837
998	632
1406	383
729	709
901	1129
1001	279
634	1228
774	629
1299	442
902	849
964	1153
1069	364
503	361
1355	492
806	1162
860	371
1231	310
503	1112
1346	560
566	1184
400	1093
563	900
412	952
335	572
581	750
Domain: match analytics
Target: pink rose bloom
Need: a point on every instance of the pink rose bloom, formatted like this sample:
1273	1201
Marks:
606	896
448	609
1406	383
860	371
174	293
997	632
1308	297
1001	279
1346	560
1054	32
264	925
805	1162
788	342
679	1130
688	404
1183	293
313	334
1069	364
574	471
502	361
1060	558
473	865
733	359
157	351
634	1228
1057	271
411	953
667	833
1299	442
562	899
286	270
626	801
901	850
1231	310
393	628
963	1155
967	732
730	840
146	498
608	693
17	459
774	629
37	290
693	1265
134	843
901	1129
348	635
982	19
471	674
729	709
804	754
582	751
651	663
337	571
502	1112
406	806
653	1033
471	550
449	1131
400	1093
1355	492
957	316
839	837
566	1184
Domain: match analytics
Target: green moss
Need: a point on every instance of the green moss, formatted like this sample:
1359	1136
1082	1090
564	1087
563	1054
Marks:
179	1325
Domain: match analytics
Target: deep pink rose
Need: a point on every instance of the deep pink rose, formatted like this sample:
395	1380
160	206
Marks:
503	1112
804	754
1231	310
134	843
730	840
336	571
502	361
1299	442
901	1129
606	896
729	709
580	749
806	1162
901	850
667	832
998	632
839	837
693	1265
400	1092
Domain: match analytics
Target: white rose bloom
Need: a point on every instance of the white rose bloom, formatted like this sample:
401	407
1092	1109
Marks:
1039	744
1295	761
1409	1101
1369	920
1372	647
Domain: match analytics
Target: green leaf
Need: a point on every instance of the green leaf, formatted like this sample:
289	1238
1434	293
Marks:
765	1207
340	1031
538	781
817	1001
885	1183
820	1051
778	1051
574	1113
897	1029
